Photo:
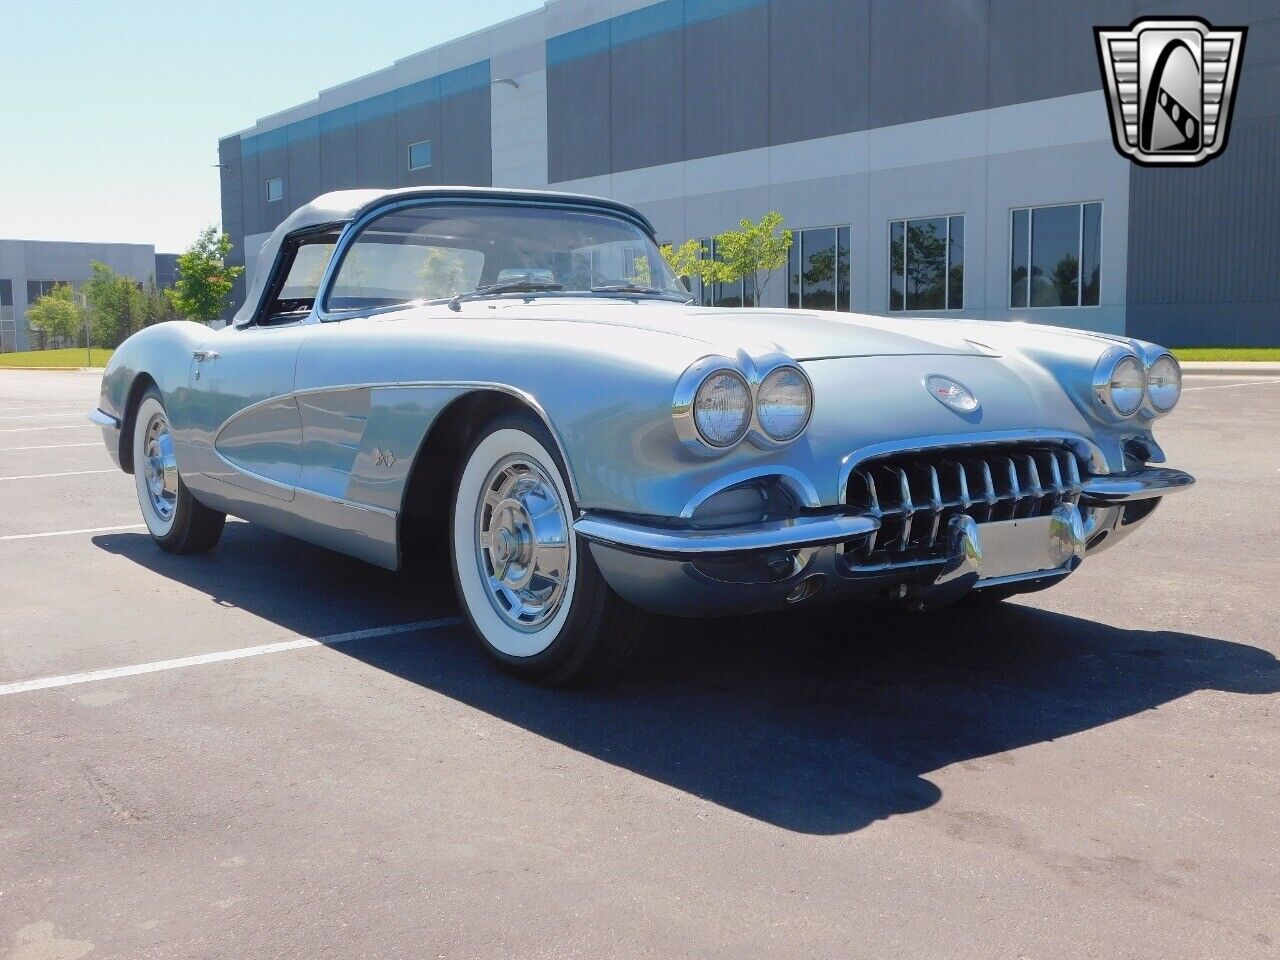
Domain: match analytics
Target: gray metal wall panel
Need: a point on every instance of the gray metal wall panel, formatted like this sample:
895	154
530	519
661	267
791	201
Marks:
818	68
340	170
1045	48
375	153
464	148
647	103
305	181
250	194
578	118
414	124
726	84
928	59
271	164
1204	244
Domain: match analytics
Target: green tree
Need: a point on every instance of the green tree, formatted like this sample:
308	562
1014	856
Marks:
156	307
204	279
56	314
685	260
748	252
117	306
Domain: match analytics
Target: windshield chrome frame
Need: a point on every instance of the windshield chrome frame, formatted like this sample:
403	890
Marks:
351	233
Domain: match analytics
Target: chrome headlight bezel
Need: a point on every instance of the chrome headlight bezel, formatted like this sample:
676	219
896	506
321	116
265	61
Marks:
1152	408
753	373
683	406
759	434
1104	375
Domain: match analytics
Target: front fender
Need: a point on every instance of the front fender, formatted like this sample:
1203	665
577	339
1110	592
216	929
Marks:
159	354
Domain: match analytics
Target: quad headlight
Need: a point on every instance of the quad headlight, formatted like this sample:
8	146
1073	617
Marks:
1120	382
720	401
1164	383
722	408
784	403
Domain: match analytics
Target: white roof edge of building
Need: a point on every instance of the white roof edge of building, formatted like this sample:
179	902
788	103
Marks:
312	107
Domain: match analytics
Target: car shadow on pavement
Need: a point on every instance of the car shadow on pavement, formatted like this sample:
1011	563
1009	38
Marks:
819	721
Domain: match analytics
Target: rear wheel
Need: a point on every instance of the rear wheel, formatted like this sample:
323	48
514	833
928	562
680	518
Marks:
178	522
529	588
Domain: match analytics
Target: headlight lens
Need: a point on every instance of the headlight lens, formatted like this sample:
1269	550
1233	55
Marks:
1121	386
1164	383
722	408
784	403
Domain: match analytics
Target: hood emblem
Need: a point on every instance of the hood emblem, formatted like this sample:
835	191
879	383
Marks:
951	394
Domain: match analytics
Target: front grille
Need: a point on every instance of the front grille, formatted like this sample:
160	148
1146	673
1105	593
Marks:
916	494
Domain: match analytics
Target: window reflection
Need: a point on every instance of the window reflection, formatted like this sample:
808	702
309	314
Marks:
926	263
1055	257
818	276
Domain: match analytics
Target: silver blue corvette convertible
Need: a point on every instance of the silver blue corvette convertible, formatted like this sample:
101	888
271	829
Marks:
519	375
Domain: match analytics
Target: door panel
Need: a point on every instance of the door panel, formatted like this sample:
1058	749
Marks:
237	435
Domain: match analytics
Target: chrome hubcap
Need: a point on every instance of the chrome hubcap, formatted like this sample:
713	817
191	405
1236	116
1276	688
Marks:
522	535
159	467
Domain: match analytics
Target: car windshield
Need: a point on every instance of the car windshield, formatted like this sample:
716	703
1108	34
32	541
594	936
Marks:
442	251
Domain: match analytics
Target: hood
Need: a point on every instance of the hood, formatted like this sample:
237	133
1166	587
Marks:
800	334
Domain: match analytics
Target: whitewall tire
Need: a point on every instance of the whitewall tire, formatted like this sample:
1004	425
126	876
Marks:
177	521
528	587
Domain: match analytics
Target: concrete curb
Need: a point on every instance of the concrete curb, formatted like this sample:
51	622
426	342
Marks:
59	369
1232	368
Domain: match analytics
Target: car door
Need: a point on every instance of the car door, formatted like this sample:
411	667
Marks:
247	430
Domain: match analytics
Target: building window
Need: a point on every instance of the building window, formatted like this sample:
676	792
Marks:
8	321
275	189
1055	256
818	276
420	155
926	263
39	288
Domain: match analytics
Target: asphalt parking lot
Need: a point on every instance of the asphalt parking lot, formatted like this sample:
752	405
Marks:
1091	772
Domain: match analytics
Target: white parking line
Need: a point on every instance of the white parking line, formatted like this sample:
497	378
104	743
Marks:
300	643
1228	386
58	426
64	473
67	533
55	446
42	416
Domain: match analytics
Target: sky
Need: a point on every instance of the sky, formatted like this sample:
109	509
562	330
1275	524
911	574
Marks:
110	112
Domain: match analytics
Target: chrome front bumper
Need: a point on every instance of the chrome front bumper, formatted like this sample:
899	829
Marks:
110	431
700	572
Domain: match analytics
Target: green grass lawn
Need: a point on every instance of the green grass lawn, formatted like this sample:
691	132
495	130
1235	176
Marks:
1228	353
55	359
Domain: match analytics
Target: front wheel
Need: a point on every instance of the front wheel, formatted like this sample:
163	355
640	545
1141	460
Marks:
179	523
528	586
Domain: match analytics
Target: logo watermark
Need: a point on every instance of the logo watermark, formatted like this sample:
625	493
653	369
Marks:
1171	83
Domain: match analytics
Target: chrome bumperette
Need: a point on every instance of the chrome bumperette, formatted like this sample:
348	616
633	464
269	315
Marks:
793	534
100	418
1141	484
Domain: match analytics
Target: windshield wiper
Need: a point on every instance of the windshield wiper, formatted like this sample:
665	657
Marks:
522	284
636	288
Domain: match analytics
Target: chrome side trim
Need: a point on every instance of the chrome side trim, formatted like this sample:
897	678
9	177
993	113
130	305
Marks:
1082	445
101	419
1142	484
524	397
777	535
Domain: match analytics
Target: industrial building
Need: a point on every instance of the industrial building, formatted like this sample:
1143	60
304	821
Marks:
940	157
31	268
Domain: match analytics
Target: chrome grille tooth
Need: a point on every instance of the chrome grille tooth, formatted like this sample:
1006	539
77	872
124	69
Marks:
989	483
1073	471
904	487
906	532
1055	472
964	486
1033	473
1015	488
874	500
